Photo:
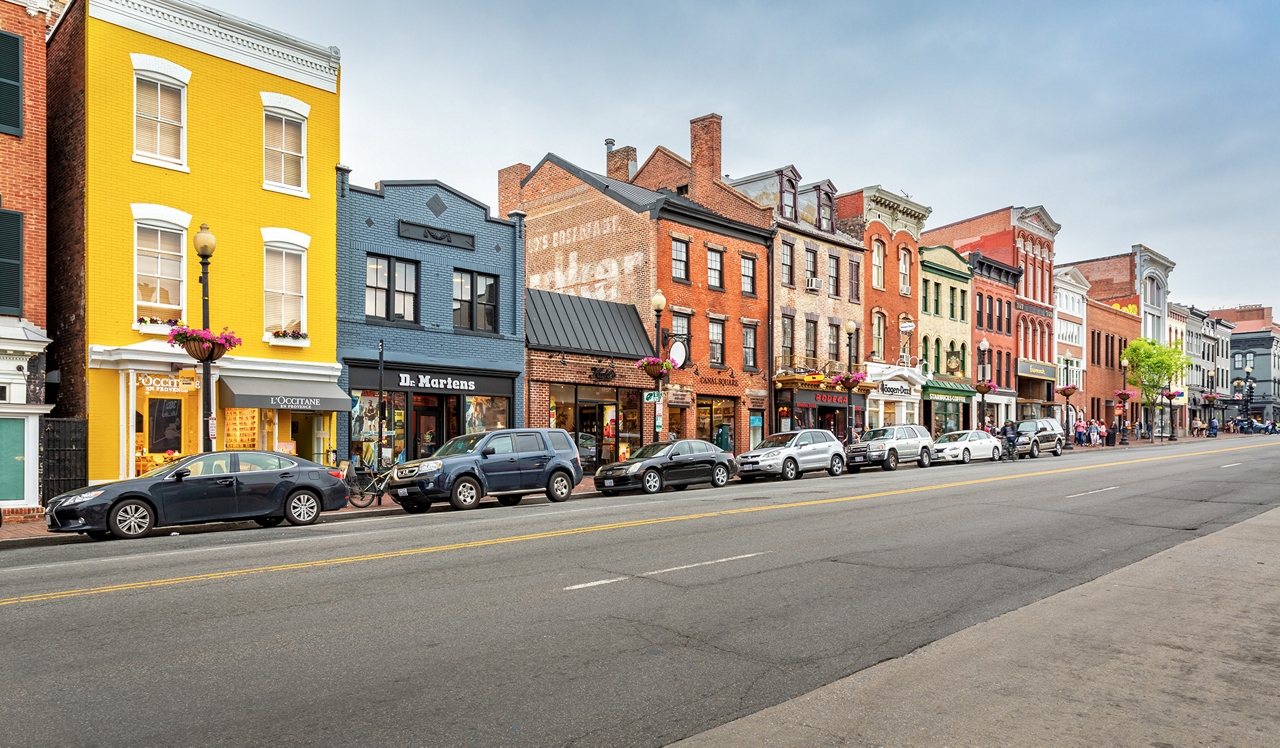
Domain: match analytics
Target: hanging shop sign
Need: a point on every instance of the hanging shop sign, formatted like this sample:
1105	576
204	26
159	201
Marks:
1037	370
679	398
396	378
168	383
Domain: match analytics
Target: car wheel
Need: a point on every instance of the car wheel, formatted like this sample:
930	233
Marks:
1035	450
651	482
415	507
748	479
269	521
995	454
890	463
509	500
99	534
130	519
559	486
720	476
837	466
302	508
965	457
790	470
925	459
1057	449
465	494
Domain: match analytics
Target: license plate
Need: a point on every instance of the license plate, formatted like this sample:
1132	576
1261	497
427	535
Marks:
402	492
860	458
748	467
608	483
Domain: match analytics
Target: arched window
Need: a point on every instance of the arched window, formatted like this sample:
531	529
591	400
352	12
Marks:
964	360
977	317
877	263
904	271
924	354
788	199
877	335
937	350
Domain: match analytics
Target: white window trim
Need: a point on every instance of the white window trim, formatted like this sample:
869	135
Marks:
280	105
157	217
286	240
160	70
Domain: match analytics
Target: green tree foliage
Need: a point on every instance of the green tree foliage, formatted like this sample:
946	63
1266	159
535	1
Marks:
1153	367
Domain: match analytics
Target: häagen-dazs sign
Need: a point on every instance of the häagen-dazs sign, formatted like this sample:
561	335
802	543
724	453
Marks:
895	389
428	382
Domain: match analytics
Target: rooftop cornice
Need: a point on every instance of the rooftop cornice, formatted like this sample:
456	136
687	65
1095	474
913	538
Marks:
225	36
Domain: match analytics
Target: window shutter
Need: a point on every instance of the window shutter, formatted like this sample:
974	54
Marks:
10	84
10	263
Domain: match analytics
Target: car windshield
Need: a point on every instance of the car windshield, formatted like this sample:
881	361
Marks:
777	440
948	438
650	450
877	435
459	445
1027	427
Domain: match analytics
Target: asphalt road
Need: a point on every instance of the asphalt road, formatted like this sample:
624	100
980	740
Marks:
624	621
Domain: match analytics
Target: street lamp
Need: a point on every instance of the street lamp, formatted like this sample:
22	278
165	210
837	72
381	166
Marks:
205	243
1248	397
657	303
850	327
983	376
1124	385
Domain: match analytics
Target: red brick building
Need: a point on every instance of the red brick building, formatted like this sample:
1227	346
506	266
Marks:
994	286
23	218
1110	330
1023	238
889	226
605	238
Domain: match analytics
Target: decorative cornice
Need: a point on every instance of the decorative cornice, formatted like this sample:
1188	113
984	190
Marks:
230	38
34	7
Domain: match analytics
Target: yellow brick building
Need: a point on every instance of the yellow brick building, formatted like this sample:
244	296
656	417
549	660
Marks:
189	116
945	333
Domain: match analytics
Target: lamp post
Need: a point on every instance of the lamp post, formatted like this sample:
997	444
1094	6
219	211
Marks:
657	303
1248	397
205	243
850	327
1173	427
1124	385
985	376
1067	392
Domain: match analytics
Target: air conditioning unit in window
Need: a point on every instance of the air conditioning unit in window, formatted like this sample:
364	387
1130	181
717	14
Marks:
813	284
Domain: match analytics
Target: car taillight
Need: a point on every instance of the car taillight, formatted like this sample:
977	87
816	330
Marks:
336	473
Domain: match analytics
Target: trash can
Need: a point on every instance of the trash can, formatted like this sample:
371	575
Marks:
1111	438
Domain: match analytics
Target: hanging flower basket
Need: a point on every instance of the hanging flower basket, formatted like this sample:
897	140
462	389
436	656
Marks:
655	367
849	380
1067	391
985	387
1210	398
1124	395
203	345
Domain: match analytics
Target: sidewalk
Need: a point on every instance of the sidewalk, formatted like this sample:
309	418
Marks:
1179	649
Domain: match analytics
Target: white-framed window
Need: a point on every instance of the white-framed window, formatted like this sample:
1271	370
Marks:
1070	332
878	321
904	272
284	143
159	112
284	281
877	264
159	264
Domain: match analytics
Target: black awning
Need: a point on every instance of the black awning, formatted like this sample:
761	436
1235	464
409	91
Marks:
575	324
281	394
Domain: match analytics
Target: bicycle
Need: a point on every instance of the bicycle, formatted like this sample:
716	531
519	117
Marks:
1010	453
366	486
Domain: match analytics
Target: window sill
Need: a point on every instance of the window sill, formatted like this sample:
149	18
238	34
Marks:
685	281
151	161
272	340
750	295
380	322
719	366
717	289
789	285
479	333
284	189
751	369
812	291
149	329
833	296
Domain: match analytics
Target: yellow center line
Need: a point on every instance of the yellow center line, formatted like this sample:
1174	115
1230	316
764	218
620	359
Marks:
44	596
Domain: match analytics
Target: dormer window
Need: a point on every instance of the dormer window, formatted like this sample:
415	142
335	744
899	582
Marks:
826	210
788	196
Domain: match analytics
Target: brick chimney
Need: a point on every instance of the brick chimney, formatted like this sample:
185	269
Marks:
704	153
509	180
620	163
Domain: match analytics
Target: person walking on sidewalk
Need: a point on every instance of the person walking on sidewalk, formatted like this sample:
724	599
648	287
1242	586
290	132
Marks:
1080	427
1102	433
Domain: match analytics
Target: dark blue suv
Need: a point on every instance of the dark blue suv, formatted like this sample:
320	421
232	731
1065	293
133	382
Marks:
505	464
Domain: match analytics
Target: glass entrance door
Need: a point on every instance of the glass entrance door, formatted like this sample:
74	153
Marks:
429	425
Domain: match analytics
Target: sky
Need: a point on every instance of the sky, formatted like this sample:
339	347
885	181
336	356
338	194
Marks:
1153	123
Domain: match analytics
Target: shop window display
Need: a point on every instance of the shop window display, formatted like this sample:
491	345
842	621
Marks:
364	426
486	413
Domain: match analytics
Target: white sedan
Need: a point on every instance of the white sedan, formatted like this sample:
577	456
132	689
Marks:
963	446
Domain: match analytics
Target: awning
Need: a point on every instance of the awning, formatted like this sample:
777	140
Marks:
281	394
946	390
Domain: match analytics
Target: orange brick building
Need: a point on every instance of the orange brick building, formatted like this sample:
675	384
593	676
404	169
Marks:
605	238
1110	330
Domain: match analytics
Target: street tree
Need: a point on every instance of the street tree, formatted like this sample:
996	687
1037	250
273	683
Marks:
1154	367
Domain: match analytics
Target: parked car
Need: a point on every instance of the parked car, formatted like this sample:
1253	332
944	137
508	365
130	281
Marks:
507	464
889	447
1038	435
963	446
791	454
678	464
265	487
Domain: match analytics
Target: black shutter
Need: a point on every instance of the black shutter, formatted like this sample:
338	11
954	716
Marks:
10	84
10	263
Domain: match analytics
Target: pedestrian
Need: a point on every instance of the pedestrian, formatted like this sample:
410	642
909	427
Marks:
1213	426
1080	427
1093	433
1102	433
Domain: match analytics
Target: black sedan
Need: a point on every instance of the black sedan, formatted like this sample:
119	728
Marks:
265	487
677	464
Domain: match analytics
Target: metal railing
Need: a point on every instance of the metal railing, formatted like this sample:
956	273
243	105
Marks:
800	365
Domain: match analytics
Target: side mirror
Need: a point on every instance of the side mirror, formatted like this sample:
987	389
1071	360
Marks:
488	451
180	474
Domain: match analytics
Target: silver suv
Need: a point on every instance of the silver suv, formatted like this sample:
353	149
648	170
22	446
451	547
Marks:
790	454
891	446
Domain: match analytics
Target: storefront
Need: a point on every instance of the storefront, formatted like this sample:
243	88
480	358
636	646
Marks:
166	418
1001	405
896	398
814	407
296	418
947	406
421	409
1036	381
604	421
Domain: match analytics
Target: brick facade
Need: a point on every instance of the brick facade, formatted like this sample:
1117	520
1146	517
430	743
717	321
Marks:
1109	331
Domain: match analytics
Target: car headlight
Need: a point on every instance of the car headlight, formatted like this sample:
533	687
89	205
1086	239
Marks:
635	468
769	455
81	498
430	467
1023	439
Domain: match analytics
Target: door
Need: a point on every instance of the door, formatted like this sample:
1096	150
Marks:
208	493
680	464
588	437
12	459
262	482
805	450
908	444
427	434
534	457
502	468
704	460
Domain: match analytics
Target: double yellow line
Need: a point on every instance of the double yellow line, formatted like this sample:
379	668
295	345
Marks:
45	596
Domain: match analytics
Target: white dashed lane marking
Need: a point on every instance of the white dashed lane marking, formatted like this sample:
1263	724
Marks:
611	580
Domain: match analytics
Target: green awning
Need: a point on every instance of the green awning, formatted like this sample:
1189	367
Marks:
945	389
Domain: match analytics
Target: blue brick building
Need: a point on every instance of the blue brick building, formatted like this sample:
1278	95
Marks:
426	271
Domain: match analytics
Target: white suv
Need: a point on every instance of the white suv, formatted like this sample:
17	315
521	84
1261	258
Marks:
891	446
790	454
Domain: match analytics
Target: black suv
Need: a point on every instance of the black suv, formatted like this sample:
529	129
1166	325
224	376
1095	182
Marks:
1039	435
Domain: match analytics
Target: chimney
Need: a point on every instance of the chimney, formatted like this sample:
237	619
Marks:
704	152
509	180
620	164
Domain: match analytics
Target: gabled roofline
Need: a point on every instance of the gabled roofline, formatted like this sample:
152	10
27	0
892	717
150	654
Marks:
665	150
966	274
970	218
758	175
380	192
1074	275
